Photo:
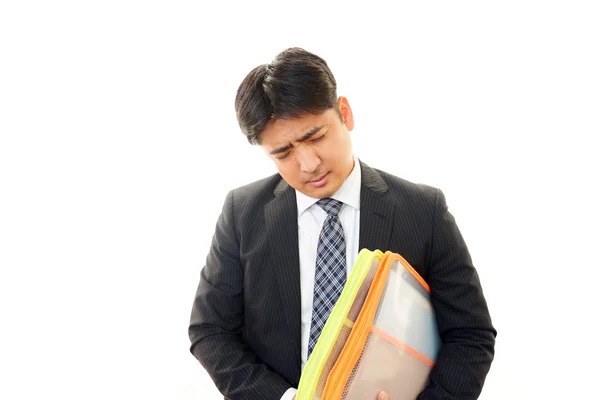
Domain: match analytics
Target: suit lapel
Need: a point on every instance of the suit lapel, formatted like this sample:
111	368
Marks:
281	216
376	213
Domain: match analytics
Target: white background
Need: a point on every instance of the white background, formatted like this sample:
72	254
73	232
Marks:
118	143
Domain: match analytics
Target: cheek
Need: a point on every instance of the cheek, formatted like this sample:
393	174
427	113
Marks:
337	151
288	173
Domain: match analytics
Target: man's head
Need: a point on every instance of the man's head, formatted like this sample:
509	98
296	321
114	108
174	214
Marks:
290	108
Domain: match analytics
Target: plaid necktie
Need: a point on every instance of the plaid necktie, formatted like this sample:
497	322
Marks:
330	270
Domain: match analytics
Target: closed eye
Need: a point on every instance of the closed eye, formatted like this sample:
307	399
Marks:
318	139
284	156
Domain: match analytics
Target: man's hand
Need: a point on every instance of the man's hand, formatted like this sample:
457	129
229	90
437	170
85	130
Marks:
383	396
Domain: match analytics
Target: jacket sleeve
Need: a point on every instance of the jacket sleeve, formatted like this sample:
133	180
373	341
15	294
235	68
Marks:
462	315
216	322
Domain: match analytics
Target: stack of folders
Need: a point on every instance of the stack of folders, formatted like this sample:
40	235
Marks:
381	335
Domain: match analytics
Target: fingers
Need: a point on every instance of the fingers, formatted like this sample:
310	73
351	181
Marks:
383	396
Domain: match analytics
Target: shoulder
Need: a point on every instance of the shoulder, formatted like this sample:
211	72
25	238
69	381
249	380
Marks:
412	189
402	191
248	197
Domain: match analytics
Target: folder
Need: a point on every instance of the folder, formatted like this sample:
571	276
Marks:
394	342
338	326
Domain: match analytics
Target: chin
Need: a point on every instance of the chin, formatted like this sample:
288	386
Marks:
321	193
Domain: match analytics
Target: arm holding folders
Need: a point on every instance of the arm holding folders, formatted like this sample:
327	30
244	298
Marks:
462	315
461	318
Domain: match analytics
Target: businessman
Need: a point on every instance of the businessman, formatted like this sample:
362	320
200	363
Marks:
284	246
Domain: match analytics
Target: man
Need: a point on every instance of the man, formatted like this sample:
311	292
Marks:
284	245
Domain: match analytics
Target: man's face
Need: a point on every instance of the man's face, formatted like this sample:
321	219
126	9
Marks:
312	153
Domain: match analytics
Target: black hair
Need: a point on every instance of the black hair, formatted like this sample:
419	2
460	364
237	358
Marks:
295	83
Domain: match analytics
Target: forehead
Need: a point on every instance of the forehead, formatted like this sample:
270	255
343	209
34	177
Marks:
289	130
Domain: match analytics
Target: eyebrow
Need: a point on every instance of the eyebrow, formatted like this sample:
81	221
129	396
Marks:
304	137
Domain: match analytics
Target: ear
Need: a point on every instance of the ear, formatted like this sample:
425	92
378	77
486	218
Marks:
346	112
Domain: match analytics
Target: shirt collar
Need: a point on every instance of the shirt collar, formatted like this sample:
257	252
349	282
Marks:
348	193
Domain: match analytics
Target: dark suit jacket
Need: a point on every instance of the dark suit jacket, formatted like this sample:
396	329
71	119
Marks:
245	321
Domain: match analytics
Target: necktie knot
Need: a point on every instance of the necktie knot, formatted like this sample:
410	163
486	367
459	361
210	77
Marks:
330	206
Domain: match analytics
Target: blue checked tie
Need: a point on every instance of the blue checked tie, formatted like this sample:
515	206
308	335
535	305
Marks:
330	270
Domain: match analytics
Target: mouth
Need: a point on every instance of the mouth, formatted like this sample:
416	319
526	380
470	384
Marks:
320	181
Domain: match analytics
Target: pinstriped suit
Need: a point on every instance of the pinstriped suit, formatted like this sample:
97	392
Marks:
245	321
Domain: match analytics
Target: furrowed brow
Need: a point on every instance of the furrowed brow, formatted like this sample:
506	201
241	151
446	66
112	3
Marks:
310	133
304	138
280	149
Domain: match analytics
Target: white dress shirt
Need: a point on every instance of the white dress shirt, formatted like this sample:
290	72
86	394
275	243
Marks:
311	218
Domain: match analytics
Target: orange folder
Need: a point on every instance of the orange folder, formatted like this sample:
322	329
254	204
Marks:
394	342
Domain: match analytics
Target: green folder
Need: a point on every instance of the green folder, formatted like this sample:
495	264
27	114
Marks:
338	326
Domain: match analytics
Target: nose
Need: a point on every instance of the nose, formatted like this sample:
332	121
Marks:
307	158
